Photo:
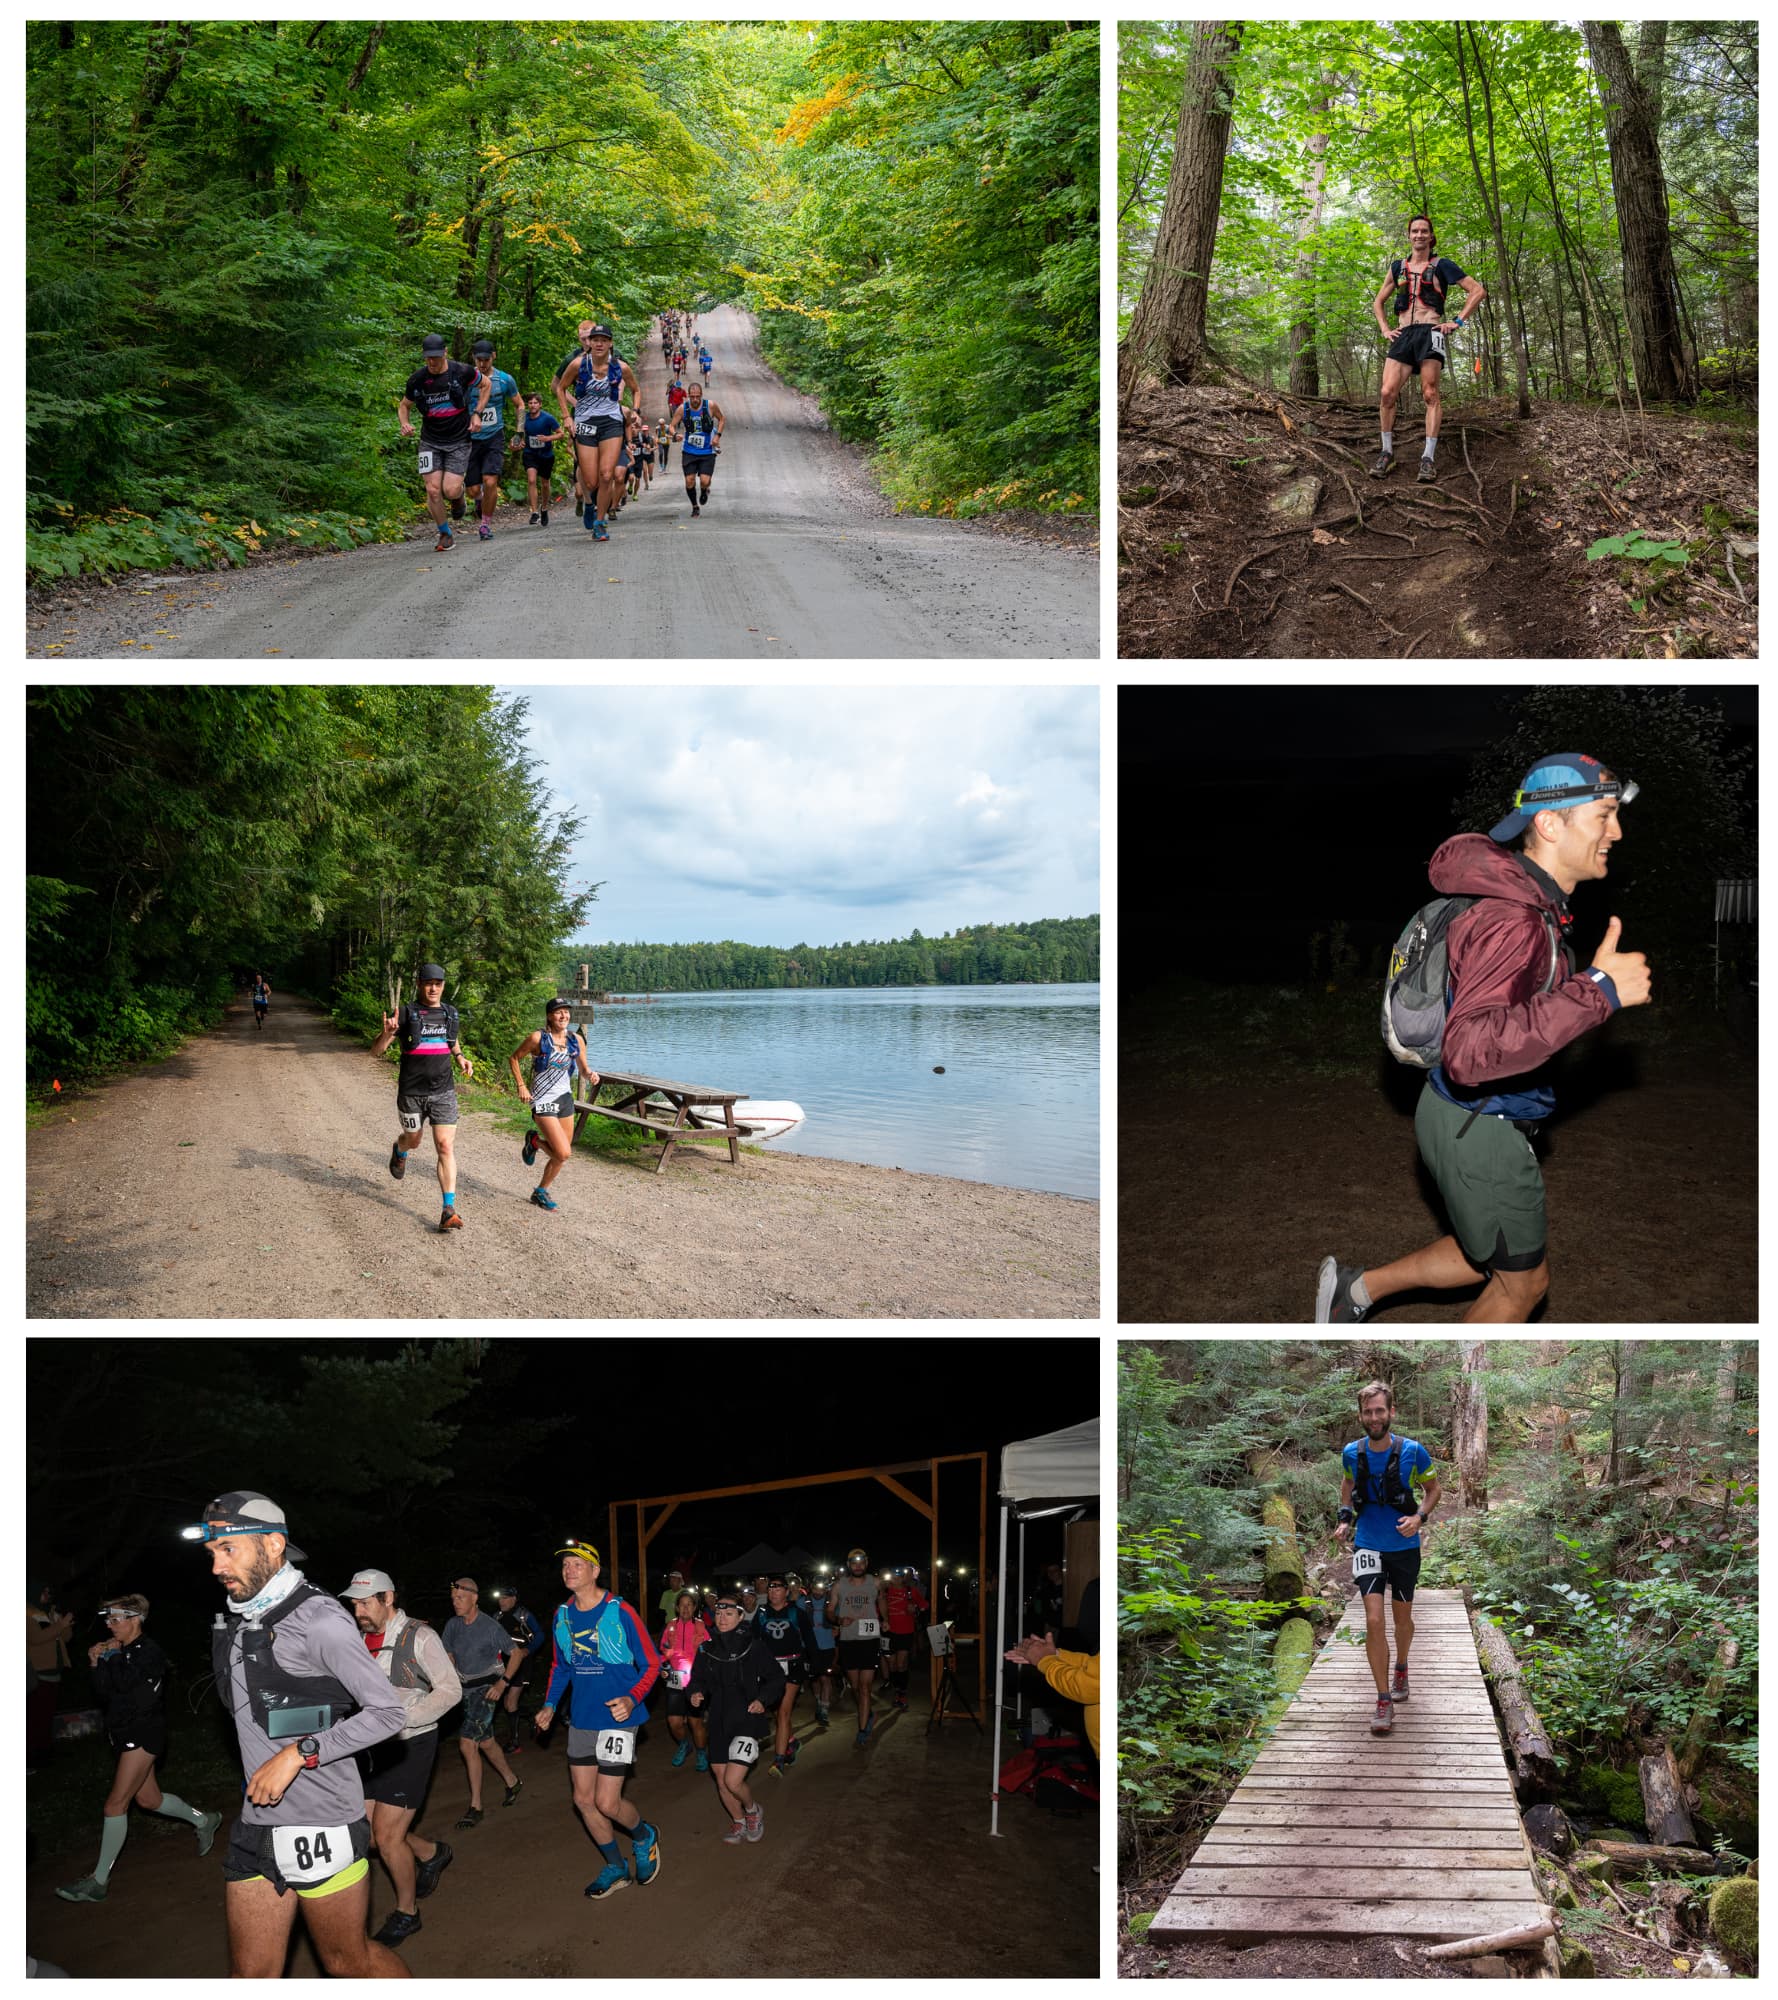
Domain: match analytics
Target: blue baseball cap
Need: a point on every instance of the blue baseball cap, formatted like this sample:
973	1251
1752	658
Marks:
1564	778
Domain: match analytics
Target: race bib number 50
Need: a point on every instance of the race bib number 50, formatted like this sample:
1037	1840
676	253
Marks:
1366	1562
309	1854
617	1746
425	463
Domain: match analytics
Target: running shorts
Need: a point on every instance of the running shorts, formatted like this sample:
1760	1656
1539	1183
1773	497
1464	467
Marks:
252	1854
487	459
539	461
1399	1568
796	1673
679	1703
443	457
478	1712
859	1656
595	430
904	1642
1490	1182
557	1107
415	1108
397	1771
149	1733
1415	344
583	1749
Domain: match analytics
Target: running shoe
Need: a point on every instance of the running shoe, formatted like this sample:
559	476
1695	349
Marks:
778	1766
601	533
863	1736
1428	472
473	1817
703	1763
512	1791
1384	1719
427	1873
645	1853
589	520
704	497
533	521
613	1876
545	522
397	1161
1333	1293
736	1834
528	1151
449	1220
683	1752
485	532
1399	1688
756	1822
541	1196
790	1753
397	1928
1385	464
446	540
821	1713
694	510
89	1889
206	1830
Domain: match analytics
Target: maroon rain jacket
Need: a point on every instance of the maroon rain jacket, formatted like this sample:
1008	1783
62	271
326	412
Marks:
1501	1024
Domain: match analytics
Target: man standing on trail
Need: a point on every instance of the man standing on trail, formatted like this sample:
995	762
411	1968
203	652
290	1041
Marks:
1380	1470
425	1091
1513	999
1419	281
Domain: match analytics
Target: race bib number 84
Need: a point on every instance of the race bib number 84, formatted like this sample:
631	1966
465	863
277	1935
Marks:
1366	1562
309	1854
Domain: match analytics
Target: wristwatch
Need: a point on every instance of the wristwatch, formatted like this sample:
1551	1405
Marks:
310	1746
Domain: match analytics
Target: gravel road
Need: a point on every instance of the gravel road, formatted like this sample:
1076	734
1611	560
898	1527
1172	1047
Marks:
797	558
248	1176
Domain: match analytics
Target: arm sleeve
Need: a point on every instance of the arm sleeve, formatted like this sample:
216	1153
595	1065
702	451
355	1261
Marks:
1074	1676
423	1705
641	1651
339	1650
1487	1033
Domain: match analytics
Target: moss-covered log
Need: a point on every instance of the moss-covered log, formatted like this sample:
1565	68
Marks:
1293	1653
1285	1576
1534	1755
1702	1726
1633	1857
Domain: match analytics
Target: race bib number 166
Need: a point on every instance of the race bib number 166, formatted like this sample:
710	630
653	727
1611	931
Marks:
1366	1562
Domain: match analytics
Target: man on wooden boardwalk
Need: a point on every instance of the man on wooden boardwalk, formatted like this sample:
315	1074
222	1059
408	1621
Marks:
1379	1471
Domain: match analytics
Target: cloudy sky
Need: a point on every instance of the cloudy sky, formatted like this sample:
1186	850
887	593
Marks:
802	815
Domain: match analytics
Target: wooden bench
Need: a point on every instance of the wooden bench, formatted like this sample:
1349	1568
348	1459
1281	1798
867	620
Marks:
692	1105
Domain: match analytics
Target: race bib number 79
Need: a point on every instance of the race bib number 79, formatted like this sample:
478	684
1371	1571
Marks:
1366	1562
868	1628
309	1854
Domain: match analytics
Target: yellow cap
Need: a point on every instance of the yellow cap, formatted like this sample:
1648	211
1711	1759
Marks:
585	1551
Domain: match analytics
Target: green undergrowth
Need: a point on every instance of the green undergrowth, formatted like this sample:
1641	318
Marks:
186	538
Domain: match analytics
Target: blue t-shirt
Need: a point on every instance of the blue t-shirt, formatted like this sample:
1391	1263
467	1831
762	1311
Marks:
541	431
600	1655
1375	1527
491	422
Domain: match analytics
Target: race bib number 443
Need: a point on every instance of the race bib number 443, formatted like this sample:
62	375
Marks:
1366	1562
309	1854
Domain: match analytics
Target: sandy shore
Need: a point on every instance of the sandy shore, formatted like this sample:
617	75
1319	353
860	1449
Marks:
248	1177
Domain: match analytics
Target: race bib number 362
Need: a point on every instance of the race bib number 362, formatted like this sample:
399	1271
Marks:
1366	1562
309	1854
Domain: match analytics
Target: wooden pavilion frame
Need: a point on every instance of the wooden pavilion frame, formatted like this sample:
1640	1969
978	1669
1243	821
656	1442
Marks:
646	1530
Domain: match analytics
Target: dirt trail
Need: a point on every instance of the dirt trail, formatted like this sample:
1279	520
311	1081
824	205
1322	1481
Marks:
798	557
248	1175
886	1847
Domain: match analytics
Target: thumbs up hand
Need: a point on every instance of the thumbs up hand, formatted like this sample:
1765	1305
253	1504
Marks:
1627	970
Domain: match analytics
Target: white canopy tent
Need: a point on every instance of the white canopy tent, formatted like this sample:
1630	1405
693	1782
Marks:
1042	1475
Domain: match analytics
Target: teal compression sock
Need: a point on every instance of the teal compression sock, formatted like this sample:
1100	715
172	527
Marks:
451	1198
608	1848
111	1845
175	1807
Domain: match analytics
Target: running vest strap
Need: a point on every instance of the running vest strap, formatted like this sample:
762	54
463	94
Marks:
427	1036
553	1070
1395	1491
596	395
405	1670
1411	284
284	1704
700	437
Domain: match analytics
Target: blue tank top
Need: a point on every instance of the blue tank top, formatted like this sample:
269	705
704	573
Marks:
700	429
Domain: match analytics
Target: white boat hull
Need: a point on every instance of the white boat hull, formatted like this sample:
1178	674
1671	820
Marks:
757	1123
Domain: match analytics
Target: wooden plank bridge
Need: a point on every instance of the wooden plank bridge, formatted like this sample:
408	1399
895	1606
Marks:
1335	1832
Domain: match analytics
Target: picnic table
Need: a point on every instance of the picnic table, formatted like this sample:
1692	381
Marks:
695	1108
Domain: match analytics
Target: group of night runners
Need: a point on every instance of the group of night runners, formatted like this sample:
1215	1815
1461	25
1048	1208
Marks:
462	408
337	1701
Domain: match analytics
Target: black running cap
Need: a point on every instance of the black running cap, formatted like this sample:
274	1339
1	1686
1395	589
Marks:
600	331
429	971
482	347
434	343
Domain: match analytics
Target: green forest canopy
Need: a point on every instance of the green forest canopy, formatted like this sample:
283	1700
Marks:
237	233
1345	129
1048	950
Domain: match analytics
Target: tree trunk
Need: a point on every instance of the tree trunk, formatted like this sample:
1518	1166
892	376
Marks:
1651	67
1699	1730
1167	335
159	77
1534	1755
1469	1428
1728	1364
1663	1802
1305	375
1491	200
491	279
1293	1653
1651	290
1635	1857
1285	1579
1617	1411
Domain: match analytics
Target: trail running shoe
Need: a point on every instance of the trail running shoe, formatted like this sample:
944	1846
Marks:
1384	1719
645	1853
601	533
397	1928
821	1713
545	520
1384	466
513	1790
1333	1294
790	1753
736	1834
89	1889
694	510
446	540
863	1736
528	1152
449	1220
397	1161
1399	1690
683	1752
703	1763
756	1822
1428	472
778	1766
533	521
613	1876
427	1873
543	1199
485	531
206	1831
473	1817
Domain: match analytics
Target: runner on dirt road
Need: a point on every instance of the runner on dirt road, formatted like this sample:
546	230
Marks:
783	1633
597	379
856	1617
1514	999
737	1684
1378	1486
557	1056
398	1771
478	1646
425	1091
1420	282
449	393
605	1663
681	1637
526	1634
306	1698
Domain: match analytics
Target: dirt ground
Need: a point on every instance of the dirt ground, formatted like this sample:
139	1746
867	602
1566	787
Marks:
1230	1194
1487	562
248	1175
887	1847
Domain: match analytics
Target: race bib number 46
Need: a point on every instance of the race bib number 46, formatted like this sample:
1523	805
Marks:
617	1746
309	1854
1366	1562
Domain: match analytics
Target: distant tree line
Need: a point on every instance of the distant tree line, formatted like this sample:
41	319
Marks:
1047	951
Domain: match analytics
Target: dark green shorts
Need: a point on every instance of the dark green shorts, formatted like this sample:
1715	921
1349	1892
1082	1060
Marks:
1490	1182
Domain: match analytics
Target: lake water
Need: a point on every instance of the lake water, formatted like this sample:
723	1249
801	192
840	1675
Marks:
1018	1103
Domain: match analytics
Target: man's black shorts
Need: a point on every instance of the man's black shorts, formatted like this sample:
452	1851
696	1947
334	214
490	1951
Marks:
1400	1570
397	1771
1415	344
487	460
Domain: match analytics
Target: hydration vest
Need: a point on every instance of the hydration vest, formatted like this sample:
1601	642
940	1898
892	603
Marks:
285	1705
1417	993
1411	284
405	1670
1396	1492
702	431
614	380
